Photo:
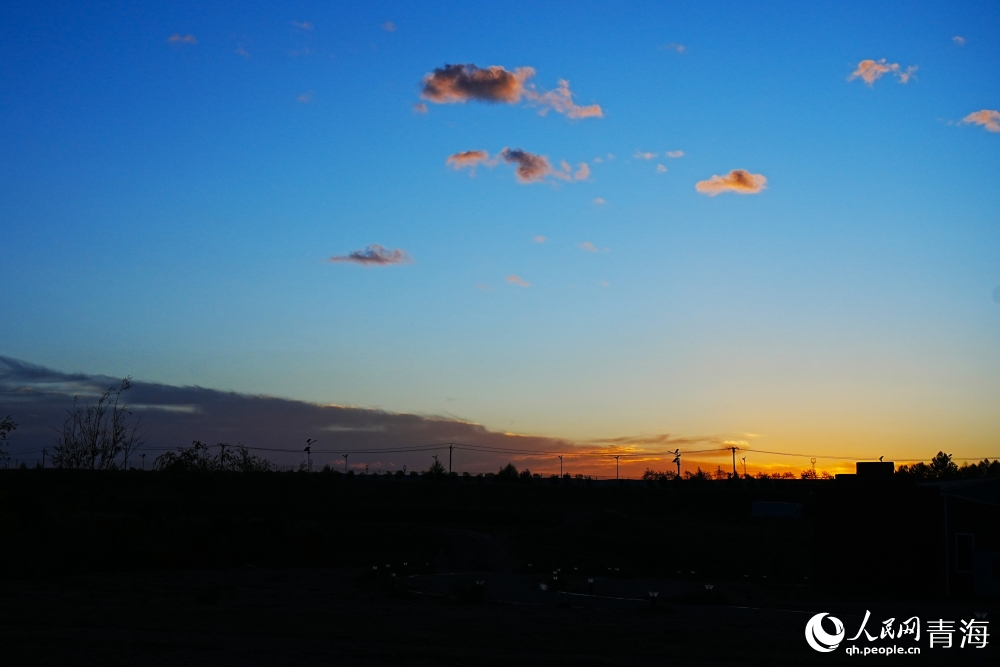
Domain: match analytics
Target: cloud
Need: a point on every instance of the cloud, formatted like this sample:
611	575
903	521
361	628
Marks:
305	98
466	82
561	100
302	25
958	39
389	26
604	283
460	83
990	119
177	38
600	201
540	239
870	70
739	181
240	51
673	46
644	156
587	246
530	167
470	160
373	255
675	154
566	173
660	168
514	280
419	107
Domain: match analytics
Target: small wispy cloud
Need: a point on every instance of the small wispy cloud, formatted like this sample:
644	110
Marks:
419	107
639	155
587	246
305	98
561	101
469	160
566	173
240	51
462	83
540	239
600	201
958	39
302	25
389	26
988	118
373	255
660	168
739	181
515	280
871	70
178	38
531	168
673	46
604	283
675	154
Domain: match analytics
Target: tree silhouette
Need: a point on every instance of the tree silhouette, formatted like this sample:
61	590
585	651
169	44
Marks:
942	467
7	426
508	473
101	436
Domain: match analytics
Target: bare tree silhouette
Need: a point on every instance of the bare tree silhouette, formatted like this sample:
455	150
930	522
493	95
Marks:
7	426
101	436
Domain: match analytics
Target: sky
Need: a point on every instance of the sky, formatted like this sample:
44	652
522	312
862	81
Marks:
769	224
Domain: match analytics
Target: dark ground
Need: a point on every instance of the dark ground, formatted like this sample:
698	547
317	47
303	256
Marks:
148	569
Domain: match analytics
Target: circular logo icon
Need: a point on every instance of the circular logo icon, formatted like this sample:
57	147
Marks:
819	639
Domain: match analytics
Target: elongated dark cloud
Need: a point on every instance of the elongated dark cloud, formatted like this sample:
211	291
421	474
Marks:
739	181
531	168
461	83
373	255
466	82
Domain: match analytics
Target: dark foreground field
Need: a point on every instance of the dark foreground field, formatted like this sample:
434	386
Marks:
295	569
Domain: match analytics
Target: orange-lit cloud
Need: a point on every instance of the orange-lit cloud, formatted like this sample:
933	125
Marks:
540	239
988	118
466	82
469	160
461	83
600	201
587	246
958	39
561	100
514	280
302	25
870	70
389	26
639	155
181	39
373	255
566	173
675	154
739	181
531	168
419	107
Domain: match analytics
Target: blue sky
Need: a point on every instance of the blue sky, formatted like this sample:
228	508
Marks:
167	210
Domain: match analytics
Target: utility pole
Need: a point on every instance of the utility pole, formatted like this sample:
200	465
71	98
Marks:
735	474
677	460
450	447
308	451
345	463
560	465
44	451
616	465
744	459
143	457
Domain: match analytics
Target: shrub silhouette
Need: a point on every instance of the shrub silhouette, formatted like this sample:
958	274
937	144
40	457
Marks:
508	473
101	436
7	426
197	458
